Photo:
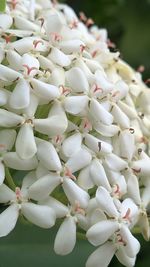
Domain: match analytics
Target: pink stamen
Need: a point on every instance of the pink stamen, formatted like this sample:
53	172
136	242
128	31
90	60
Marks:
69	174
58	139
96	88
36	42
94	53
65	90
74	24
14	3
120	240
117	191
89	22
42	21
82	48
147	81
141	69
7	37
87	125
18	193
78	209
136	171
144	140
116	93
29	70
82	17
110	44
126	217
56	36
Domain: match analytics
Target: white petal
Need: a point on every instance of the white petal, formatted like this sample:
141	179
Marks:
84	179
128	204
60	209
98	174
22	23
20	97
75	104
32	107
53	24
132	244
6	194
48	156
28	180
79	160
9	119
23	45
5	21
133	188
8	74
105	130
76	80
75	194
2	172
8	219
106	202
120	117
129	111
97	145
100	113
66	237
127	145
14	60
3	97
31	62
71	46
115	163
101	232
59	57
101	256
124	259
142	166
44	186
7	139
45	90
13	161
41	216
72	144
25	142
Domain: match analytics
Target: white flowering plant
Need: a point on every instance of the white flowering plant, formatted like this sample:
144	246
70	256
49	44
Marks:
75	118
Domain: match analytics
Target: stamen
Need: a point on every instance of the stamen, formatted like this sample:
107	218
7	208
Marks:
36	42
56	36
58	139
144	140
82	17
89	22
74	24
116	93
64	90
136	171
18	193
120	240
29	70
131	130
87	125
96	88
69	174
42	21
7	37
99	146
94	53
111	44
126	217
78	209
82	48
141	69
13	3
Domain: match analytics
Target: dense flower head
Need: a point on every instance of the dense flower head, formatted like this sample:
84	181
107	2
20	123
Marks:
75	118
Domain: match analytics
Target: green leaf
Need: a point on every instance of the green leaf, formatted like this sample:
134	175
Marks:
2	5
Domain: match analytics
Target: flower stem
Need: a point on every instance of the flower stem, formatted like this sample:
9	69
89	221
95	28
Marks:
9	179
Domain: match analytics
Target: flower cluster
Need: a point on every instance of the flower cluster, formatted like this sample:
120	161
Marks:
74	122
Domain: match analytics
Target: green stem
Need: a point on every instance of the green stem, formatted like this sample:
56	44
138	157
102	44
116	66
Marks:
9	179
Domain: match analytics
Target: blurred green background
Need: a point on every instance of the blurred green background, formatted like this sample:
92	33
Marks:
128	24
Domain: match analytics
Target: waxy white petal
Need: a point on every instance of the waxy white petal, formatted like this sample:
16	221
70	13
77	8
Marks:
6	194
74	164
101	256
127	144
77	80
8	219
106	202
100	113
120	117
72	144
7	139
115	163
60	209
66	237
133	188
39	215
25	142
74	193
98	174
59	57
9	119
44	186
22	23
2	172
12	160
97	145
7	74
20	97
124	259
76	104
45	90
100	232
53	24
71	46
3	97
48	156
84	179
